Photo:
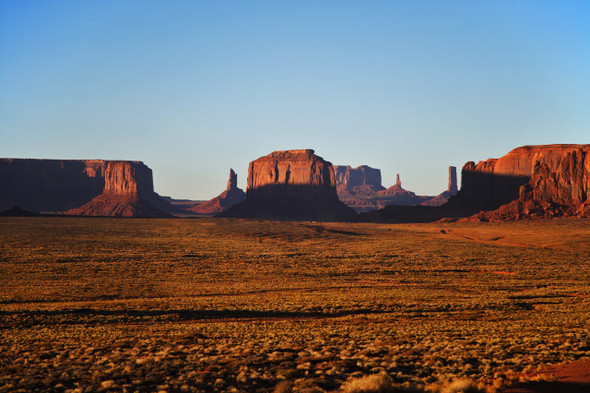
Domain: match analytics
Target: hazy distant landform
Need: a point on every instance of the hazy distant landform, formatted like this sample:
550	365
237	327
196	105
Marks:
527	183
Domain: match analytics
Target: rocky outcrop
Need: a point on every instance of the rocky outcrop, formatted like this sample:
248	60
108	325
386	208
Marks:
361	189
231	196
453	188
81	187
355	182
444	197
291	185
556	182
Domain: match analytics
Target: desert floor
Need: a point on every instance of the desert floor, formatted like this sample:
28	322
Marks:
99	304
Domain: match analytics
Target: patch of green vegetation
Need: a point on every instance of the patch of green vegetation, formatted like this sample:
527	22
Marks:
243	305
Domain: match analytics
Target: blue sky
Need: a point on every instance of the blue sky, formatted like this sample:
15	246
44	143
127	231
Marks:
193	88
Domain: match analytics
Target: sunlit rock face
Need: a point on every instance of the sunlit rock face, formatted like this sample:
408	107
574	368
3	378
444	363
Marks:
125	188
291	184
291	173
531	181
231	196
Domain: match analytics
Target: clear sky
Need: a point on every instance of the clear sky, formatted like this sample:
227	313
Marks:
192	88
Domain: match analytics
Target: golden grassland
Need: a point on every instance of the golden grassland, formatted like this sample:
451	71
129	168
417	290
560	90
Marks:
143	305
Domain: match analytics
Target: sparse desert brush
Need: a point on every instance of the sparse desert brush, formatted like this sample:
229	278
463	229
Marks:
377	383
241	305
284	387
464	385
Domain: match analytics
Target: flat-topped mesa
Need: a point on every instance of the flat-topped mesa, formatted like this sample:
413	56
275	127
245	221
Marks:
543	180
73	186
291	185
357	181
291	174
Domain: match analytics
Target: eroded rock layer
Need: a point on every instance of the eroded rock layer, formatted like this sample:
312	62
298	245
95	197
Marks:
73	186
291	184
530	182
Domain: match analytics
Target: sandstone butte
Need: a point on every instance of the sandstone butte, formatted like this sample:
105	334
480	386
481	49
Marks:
291	184
529	182
231	196
80	187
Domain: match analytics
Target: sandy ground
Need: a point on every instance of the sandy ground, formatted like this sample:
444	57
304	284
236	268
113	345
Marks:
568	378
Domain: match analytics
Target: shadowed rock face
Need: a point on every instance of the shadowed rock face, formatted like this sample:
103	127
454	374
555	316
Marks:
231	196
72	185
362	180
453	189
531	182
291	185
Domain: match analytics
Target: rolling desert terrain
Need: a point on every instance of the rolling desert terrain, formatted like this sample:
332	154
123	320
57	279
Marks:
236	305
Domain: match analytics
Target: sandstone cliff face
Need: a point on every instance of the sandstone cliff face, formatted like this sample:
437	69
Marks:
531	181
71	186
291	184
231	196
291	173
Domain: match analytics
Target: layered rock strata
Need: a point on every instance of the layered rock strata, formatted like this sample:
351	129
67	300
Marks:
80	187
554	181
231	196
291	185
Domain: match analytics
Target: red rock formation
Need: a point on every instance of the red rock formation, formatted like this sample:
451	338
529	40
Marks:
231	196
532	182
291	184
275	174
73	186
359	181
444	197
453	189
361	189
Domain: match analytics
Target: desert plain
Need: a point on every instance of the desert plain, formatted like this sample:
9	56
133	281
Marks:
236	305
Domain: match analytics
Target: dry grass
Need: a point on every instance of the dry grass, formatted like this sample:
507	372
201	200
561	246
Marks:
235	305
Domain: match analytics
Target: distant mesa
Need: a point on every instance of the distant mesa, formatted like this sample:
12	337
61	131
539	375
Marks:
16	211
357	182
231	196
80	187
291	185
361	189
529	182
